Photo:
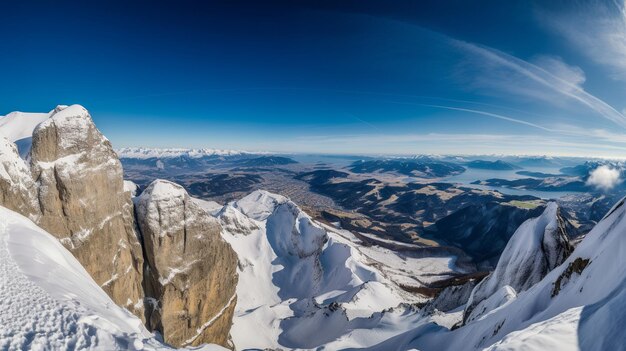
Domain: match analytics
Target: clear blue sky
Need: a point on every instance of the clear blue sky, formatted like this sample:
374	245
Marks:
402	77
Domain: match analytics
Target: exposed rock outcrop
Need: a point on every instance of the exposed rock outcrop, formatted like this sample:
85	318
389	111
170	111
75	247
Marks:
190	273
83	203
17	188
537	247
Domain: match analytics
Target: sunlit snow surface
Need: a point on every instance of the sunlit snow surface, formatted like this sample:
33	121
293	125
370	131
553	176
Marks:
18	127
586	312
291	296
49	302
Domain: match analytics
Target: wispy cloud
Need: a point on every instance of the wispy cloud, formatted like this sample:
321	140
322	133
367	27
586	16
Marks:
483	113
548	78
596	28
448	143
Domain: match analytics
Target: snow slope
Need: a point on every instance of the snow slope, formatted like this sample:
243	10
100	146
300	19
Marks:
580	305
303	285
49	302
18	127
537	247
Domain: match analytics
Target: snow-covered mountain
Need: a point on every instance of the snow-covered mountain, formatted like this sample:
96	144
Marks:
579	305
297	276
147	153
537	247
87	263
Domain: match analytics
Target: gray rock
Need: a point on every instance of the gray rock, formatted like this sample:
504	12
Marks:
190	272
83	203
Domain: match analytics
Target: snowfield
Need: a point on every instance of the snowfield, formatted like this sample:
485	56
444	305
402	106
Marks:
49	302
18	127
303	285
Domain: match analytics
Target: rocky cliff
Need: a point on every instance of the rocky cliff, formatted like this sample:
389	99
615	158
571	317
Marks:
72	186
83	203
190	274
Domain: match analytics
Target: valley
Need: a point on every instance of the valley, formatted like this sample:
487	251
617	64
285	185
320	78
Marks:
212	244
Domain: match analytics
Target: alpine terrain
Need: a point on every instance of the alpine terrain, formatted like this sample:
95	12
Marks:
90	260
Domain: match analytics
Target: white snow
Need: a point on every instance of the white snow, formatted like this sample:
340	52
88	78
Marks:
20	125
586	312
501	297
260	204
49	302
302	285
234	221
147	153
163	190
12	168
410	271
131	187
535	248
211	207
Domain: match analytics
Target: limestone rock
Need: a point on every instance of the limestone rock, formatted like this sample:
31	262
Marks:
190	275
83	203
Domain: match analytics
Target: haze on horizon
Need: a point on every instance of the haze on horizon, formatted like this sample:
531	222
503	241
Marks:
362	77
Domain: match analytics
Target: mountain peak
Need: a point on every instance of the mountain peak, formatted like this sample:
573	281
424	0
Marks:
538	246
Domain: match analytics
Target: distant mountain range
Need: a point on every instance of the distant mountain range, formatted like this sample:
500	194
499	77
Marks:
492	165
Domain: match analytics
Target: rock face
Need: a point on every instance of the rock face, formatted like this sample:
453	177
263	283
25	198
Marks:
190	274
74	189
537	247
83	203
17	188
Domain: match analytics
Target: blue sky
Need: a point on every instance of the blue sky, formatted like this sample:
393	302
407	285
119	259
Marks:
367	77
